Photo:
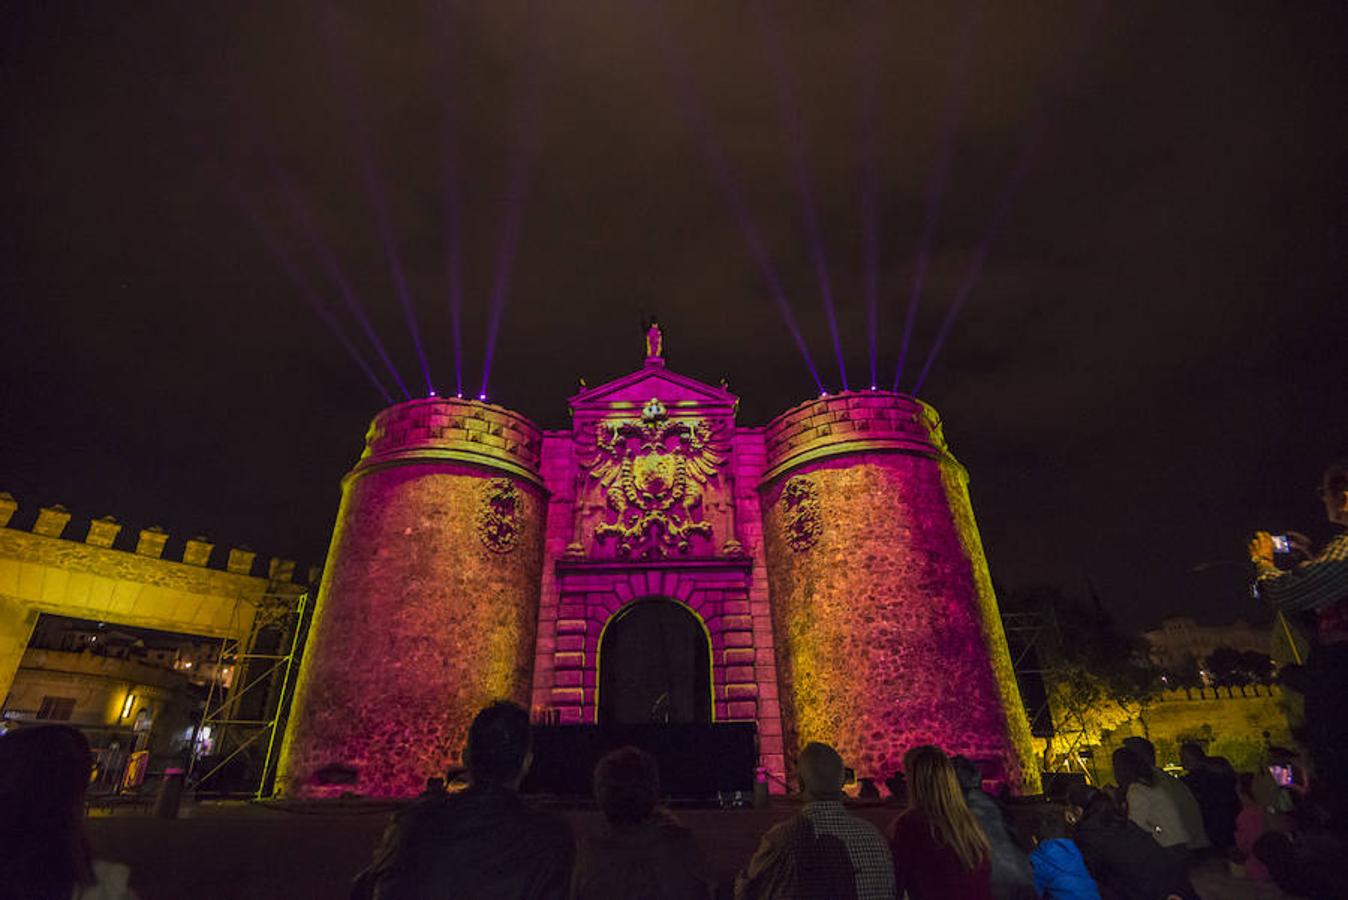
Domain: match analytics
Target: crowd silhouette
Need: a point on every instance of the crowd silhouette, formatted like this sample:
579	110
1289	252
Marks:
1138	839
1141	838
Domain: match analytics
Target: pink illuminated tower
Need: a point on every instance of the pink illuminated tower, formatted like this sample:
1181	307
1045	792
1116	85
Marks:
821	577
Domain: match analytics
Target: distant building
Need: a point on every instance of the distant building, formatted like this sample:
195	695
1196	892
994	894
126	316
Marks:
142	649
122	705
1180	639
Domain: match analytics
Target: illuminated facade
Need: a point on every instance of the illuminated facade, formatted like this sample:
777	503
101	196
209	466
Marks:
828	566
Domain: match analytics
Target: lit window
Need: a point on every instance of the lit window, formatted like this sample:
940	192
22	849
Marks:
126	706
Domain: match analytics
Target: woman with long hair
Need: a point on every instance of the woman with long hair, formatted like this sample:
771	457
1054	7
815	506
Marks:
938	847
44	854
1147	803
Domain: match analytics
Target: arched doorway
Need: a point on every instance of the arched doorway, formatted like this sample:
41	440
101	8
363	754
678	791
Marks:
654	665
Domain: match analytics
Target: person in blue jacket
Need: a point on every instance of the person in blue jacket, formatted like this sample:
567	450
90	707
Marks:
1059	870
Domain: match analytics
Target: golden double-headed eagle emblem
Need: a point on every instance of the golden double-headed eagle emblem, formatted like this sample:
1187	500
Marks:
652	472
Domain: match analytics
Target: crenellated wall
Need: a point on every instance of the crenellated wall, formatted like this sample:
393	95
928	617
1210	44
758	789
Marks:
43	571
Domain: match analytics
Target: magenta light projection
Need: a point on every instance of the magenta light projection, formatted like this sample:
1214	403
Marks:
830	559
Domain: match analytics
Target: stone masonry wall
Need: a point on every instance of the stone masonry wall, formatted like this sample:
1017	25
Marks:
428	608
880	638
1238	723
48	570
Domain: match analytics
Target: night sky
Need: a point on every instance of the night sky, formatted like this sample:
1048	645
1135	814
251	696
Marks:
1151	366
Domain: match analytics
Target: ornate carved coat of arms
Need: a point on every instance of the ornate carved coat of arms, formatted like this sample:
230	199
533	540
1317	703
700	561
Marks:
652	472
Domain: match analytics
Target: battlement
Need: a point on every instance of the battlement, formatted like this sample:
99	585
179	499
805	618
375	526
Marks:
456	430
1219	694
851	422
103	532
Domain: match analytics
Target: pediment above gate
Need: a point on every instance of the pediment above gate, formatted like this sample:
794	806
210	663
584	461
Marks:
631	393
653	476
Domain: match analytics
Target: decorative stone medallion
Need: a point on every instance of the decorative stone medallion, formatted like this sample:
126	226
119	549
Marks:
498	515
802	522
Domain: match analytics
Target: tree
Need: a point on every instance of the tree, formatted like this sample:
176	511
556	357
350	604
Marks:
1187	674
1096	676
1230	667
1224	667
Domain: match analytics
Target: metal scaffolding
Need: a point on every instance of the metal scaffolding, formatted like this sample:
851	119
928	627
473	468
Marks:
245	719
1033	637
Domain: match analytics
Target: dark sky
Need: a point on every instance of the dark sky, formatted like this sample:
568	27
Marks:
1151	366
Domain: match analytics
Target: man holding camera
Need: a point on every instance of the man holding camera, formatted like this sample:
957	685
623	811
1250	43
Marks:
1319	584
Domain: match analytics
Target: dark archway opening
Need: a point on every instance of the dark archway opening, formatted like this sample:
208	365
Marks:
654	666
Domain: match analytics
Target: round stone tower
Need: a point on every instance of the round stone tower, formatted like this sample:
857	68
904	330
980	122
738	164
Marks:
887	629
429	601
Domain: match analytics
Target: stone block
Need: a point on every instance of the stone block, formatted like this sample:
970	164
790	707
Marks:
51	521
281	569
240	562
739	674
571	642
566	696
737	623
102	532
8	506
737	710
569	660
572	626
568	678
739	656
741	691
197	551
737	639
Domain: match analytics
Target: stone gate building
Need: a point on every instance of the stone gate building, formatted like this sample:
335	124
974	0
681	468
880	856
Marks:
821	577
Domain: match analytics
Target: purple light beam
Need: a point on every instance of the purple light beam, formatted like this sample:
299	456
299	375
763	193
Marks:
454	260
376	193
870	186
1059	82
452	199
276	246
385	229
516	189
267	235
954	107
795	139
303	217
696	116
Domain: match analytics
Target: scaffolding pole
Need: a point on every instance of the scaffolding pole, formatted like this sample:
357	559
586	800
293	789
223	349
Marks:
261	675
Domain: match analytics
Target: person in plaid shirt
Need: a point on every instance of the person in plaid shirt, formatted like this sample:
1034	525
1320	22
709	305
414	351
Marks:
1318	584
823	853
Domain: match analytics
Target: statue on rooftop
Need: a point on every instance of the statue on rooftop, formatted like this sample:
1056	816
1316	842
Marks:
655	341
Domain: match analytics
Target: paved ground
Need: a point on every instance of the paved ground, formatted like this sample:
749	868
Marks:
250	852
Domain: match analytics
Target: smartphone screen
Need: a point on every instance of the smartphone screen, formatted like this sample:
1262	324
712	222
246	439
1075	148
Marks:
1282	775
1281	544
